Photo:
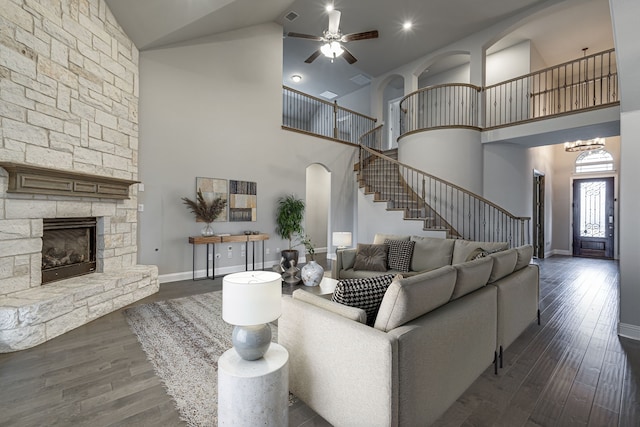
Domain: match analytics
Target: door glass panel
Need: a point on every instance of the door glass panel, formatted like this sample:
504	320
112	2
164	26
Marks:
592	209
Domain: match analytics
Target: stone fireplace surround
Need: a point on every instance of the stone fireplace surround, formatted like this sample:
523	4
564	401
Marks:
31	314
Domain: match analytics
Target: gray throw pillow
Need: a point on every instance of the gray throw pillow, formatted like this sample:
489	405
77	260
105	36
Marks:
478	253
371	257
399	254
366	294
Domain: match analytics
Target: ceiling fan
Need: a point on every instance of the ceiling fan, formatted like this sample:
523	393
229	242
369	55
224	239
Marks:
332	39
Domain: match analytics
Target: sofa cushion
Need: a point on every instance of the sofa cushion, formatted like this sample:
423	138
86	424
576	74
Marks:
371	257
430	253
352	313
379	238
504	263
463	248
525	253
399	254
409	298
471	275
366	294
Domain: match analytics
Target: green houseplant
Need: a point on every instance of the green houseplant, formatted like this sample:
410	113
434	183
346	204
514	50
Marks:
289	216
205	211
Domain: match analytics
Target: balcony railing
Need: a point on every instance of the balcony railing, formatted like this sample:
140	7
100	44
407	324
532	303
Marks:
308	114
441	106
585	83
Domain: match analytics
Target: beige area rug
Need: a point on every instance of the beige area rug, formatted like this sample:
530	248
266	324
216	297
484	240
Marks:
183	339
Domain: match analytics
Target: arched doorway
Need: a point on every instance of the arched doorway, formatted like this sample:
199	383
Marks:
318	208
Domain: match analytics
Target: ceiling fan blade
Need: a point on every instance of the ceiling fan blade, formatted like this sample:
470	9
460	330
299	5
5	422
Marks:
348	56
360	36
334	21
313	56
304	36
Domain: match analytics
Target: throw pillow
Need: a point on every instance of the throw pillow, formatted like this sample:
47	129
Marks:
366	294
481	253
399	254
371	257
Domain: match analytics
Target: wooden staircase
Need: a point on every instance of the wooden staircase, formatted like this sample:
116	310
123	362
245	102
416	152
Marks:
385	183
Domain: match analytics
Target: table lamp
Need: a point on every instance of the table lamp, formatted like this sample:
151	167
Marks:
250	300
341	239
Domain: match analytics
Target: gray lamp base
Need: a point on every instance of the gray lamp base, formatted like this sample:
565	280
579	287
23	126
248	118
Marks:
251	342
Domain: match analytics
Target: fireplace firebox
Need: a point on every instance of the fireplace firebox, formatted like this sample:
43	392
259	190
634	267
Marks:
68	248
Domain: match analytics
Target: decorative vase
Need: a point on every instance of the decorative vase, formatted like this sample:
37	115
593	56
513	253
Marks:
207	230
312	273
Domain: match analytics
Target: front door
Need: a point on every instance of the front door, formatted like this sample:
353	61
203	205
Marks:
593	225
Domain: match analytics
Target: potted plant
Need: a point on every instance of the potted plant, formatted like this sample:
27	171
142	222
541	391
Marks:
289	215
205	211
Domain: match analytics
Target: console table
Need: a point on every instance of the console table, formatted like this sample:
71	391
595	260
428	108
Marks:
211	241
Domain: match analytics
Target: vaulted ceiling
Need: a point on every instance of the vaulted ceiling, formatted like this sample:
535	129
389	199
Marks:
558	37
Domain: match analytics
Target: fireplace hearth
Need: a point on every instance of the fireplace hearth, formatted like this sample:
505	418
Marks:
68	248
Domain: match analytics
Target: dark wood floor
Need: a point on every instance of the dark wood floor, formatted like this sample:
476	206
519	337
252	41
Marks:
572	370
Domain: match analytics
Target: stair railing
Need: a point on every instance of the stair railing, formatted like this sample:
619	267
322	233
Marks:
441	204
314	116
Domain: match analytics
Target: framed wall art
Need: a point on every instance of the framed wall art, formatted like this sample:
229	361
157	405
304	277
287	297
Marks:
243	200
212	188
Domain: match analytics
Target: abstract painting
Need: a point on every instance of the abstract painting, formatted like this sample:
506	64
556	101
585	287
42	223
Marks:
243	200
212	188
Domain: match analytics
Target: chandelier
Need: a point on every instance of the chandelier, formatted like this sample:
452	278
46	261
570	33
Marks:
589	144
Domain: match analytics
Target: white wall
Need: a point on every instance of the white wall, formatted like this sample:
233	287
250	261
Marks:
201	115
507	177
359	100
454	155
508	63
458	74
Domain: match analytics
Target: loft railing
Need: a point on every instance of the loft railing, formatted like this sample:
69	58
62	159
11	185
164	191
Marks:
585	83
441	204
447	105
315	116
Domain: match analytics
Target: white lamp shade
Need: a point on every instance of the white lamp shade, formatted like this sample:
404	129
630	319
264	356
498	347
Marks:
251	297
341	238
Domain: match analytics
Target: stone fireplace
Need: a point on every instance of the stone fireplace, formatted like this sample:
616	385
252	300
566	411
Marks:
69	149
68	248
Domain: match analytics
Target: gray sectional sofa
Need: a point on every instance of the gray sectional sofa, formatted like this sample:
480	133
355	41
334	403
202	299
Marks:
434	334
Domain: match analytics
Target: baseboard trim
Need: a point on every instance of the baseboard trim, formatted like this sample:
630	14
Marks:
629	331
558	252
220	271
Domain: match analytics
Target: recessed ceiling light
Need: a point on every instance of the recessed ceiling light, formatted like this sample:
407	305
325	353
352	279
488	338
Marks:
407	25
296	78
329	7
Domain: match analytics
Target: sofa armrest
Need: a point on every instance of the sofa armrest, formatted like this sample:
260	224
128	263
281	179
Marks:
343	370
345	258
351	313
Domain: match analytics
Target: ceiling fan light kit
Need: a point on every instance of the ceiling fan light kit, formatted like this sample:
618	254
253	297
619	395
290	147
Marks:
332	38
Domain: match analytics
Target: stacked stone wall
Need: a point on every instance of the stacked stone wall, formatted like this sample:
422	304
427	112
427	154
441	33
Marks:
68	101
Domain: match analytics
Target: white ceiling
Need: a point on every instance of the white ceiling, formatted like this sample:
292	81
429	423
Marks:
558	37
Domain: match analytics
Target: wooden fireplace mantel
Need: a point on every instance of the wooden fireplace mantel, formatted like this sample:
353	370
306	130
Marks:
31	179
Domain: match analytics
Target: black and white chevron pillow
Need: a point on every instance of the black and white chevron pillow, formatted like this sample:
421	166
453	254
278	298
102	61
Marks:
399	254
365	293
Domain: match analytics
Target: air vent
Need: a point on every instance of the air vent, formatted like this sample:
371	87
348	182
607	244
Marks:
291	16
328	94
360	79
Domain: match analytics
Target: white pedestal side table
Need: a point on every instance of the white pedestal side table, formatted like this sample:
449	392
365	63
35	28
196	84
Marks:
254	393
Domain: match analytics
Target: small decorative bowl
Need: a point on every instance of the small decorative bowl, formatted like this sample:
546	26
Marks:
247	232
256	232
